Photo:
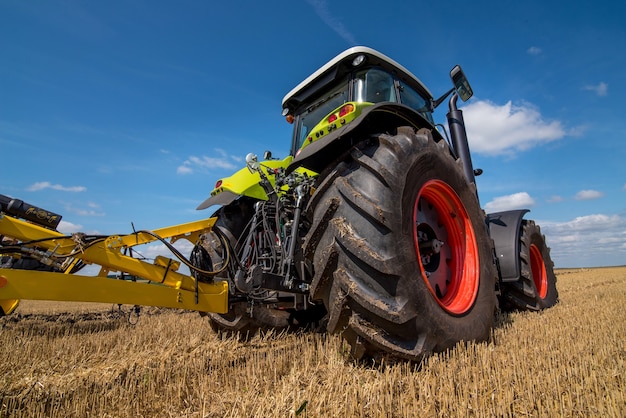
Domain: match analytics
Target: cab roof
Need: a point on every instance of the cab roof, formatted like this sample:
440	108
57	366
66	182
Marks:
338	67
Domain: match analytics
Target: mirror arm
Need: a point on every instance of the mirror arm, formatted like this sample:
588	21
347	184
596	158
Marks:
440	100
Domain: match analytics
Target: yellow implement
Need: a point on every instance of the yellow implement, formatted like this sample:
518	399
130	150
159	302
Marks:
153	284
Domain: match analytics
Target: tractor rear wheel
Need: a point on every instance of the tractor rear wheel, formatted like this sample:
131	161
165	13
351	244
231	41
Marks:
536	288
402	257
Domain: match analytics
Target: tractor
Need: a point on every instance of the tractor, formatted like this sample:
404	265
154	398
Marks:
371	227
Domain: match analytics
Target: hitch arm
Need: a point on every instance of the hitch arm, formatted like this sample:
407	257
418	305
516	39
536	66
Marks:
161	286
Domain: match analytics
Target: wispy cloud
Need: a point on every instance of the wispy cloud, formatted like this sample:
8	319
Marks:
68	227
185	168
42	185
501	129
222	161
321	9
513	201
588	195
92	209
534	50
601	89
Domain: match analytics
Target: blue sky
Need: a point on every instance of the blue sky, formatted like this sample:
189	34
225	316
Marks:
129	111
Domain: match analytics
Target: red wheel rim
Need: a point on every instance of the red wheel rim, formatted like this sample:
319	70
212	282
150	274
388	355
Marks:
538	268
445	245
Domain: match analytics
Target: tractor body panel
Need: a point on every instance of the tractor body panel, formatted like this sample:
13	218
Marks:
377	117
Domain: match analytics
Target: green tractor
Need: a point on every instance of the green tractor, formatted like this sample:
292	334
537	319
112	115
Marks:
372	226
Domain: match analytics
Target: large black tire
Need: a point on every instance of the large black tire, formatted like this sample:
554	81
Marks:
389	197
240	320
536	288
232	222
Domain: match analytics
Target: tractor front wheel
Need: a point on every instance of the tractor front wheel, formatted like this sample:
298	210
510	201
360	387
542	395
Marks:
536	288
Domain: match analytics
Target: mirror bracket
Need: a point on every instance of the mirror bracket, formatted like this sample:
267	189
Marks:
461	87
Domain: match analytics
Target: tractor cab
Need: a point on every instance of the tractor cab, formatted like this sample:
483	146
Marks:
340	91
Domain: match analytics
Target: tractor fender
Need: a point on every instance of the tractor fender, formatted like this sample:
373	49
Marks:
242	183
380	117
504	229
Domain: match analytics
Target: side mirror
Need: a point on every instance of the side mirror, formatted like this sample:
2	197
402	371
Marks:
252	162
267	155
461	85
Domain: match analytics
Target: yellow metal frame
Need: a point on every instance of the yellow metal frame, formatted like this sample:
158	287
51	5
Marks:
162	285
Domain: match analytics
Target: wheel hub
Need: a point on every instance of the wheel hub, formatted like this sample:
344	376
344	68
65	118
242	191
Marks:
429	246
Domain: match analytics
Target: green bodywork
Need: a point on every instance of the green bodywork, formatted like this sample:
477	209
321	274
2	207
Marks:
326	125
246	183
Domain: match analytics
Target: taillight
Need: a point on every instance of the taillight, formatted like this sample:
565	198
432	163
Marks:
218	184
349	108
332	118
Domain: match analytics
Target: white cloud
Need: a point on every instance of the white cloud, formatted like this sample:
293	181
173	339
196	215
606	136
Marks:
331	20
88	212
497	130
521	200
587	241
555	199
184	169
93	209
47	185
588	195
601	89
534	50
591	223
222	161
68	227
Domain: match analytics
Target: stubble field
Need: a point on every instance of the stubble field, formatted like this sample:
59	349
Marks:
85	360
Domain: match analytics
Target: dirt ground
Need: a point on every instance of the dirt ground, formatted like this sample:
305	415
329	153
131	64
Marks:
68	359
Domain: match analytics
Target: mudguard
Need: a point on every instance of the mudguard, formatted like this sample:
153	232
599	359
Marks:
242	183
246	183
504	228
